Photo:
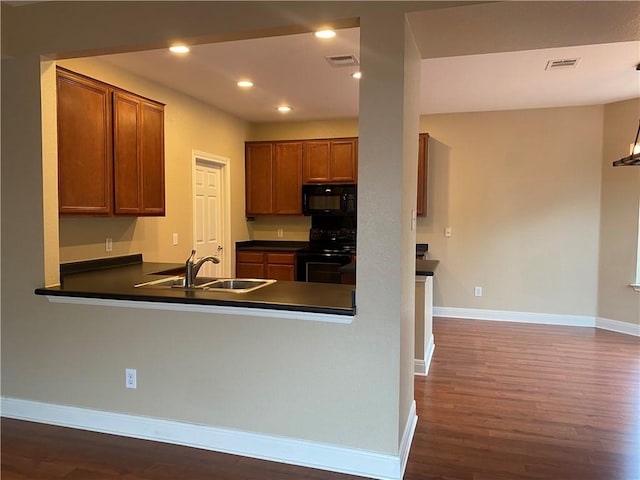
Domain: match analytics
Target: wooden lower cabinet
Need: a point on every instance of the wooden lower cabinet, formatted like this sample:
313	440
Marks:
250	265
263	264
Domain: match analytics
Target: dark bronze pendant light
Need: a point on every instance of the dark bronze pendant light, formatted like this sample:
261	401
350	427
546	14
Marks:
633	158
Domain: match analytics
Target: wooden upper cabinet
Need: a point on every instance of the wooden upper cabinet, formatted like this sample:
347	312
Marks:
84	145
259	178
287	179
423	173
110	149
344	160
330	160
127	173
273	172
138	139
152	158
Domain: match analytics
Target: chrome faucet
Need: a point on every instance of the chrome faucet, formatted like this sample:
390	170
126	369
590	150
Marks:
192	268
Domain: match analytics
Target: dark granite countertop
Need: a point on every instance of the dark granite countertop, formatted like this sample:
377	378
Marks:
117	283
423	267
271	245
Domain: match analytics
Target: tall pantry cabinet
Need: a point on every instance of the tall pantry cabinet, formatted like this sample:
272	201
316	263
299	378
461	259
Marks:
110	149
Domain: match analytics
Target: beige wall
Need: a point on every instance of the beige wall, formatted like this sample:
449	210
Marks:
189	125
619	222
521	193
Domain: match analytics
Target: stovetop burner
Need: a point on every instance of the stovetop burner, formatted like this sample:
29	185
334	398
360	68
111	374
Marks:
338	236
340	240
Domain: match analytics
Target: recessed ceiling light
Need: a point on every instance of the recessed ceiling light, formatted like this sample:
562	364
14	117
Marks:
284	108
179	49
325	33
245	84
357	75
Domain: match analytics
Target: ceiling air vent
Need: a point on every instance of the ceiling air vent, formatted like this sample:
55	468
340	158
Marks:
342	60
562	64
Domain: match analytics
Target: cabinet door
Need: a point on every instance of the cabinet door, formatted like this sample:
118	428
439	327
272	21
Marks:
316	162
152	158
344	160
281	272
287	178
281	265
327	161
259	178
84	145
138	155
250	264
423	170
250	270
126	158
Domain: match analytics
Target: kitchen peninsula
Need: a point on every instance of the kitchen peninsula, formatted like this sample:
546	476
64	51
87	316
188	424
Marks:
115	279
107	281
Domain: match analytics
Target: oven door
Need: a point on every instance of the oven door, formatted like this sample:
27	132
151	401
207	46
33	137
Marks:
321	267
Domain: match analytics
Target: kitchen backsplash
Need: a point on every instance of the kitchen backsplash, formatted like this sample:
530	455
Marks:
268	228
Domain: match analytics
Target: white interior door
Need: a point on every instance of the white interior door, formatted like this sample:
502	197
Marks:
209	224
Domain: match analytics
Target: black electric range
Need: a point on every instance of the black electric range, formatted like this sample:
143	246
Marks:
332	244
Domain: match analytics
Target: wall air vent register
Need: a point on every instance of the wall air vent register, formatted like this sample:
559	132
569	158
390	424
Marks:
562	64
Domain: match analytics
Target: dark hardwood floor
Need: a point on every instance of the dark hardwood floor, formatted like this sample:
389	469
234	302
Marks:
502	401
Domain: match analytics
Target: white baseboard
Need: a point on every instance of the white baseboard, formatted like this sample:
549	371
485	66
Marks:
407	438
267	447
421	367
541	318
519	317
617	326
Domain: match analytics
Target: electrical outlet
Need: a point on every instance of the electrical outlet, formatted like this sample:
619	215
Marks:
108	245
130	378
477	291
280	233
175	239
447	232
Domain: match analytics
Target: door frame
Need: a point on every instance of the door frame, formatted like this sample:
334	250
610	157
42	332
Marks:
209	159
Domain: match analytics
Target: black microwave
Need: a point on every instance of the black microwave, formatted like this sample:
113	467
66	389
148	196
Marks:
329	199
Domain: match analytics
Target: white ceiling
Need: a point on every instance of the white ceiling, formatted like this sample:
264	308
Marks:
293	70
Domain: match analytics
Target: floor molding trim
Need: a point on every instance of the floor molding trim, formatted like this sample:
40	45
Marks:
421	367
519	317
618	326
407	439
541	318
293	451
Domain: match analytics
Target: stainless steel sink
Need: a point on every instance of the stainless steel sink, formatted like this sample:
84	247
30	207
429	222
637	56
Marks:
238	285
177	281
